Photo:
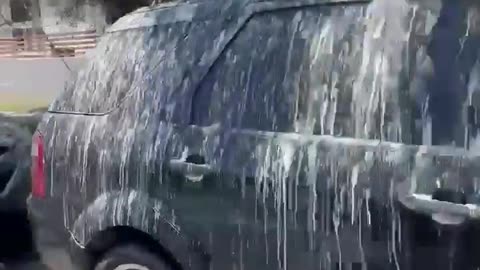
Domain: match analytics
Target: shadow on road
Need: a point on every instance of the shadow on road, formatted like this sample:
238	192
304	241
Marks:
16	246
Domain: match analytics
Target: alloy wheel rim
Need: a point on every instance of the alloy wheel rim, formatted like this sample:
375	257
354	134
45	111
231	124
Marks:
131	266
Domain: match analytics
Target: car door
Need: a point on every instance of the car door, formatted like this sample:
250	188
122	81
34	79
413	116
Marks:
239	99
251	174
246	152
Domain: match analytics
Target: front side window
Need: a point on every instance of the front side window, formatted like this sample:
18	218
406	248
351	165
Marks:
250	86
282	73
337	70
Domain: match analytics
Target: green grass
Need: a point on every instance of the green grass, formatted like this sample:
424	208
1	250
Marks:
19	108
10	103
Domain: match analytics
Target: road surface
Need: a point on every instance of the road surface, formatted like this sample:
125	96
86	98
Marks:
55	259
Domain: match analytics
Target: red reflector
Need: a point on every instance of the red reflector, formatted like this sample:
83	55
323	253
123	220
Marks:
38	166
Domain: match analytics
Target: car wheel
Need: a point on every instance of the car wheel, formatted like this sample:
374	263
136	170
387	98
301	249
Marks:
131	257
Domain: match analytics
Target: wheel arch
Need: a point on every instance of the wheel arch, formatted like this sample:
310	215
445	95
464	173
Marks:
104	241
134	217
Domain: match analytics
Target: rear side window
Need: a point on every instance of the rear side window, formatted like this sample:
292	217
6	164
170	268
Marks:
123	62
269	76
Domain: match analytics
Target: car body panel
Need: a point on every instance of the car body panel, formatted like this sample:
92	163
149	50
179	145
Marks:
126	146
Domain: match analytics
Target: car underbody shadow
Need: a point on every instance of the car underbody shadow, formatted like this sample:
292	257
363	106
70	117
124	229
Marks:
16	244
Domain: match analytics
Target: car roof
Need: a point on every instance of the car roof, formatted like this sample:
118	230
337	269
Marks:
194	10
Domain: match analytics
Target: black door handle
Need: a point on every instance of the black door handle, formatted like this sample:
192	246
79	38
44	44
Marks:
192	171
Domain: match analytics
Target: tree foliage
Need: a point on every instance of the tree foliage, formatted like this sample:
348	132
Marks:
4	21
114	9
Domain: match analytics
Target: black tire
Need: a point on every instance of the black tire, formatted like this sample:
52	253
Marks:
131	257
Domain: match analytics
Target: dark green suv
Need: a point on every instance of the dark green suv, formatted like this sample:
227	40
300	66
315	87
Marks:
255	134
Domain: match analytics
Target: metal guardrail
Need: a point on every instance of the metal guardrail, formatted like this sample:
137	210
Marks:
54	45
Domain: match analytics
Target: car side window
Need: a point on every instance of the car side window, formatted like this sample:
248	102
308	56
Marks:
250	86
282	70
98	88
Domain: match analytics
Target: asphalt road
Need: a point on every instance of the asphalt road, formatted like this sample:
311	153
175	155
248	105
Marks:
55	259
24	266
17	252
